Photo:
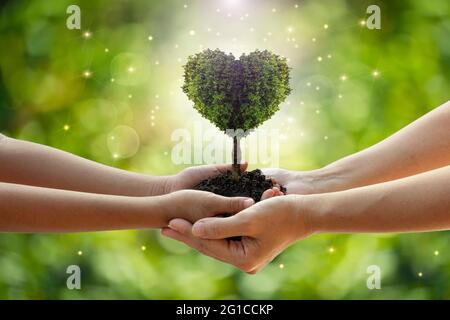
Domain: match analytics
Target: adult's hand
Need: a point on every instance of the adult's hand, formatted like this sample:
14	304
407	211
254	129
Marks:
266	228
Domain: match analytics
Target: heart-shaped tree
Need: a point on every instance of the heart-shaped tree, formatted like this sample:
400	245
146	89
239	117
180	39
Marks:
236	95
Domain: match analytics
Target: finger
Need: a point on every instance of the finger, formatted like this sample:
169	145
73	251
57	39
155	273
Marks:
269	193
221	228
218	249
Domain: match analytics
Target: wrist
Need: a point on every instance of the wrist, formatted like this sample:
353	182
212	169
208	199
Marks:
157	186
331	178
310	214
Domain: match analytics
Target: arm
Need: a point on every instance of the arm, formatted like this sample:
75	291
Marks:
35	209
29	163
421	146
413	204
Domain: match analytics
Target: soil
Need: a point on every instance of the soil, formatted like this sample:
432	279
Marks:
251	184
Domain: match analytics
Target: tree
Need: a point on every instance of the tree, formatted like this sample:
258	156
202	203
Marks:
236	95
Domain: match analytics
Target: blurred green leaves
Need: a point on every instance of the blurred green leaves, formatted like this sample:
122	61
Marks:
132	91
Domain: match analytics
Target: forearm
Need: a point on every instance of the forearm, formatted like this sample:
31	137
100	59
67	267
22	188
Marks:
33	164
421	146
414	204
35	209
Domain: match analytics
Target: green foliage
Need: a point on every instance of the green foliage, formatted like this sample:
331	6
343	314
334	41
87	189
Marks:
42	88
236	94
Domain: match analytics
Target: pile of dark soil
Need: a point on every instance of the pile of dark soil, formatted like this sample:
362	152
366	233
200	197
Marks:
251	184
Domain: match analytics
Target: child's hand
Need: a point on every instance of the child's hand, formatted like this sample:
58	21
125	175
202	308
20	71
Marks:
193	205
190	177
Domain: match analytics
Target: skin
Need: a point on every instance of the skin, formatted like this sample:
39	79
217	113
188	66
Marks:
421	146
408	191
43	189
33	164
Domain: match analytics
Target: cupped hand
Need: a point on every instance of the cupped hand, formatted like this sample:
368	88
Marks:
193	205
266	229
189	177
295	182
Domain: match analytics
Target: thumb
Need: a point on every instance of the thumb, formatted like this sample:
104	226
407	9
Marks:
219	228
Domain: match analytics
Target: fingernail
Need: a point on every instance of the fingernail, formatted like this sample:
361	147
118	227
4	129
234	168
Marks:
248	202
198	229
173	225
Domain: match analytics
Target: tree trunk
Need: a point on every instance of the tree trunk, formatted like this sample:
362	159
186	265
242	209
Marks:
236	157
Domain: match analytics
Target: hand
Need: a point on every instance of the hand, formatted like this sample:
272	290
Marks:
193	205
267	228
305	182
192	176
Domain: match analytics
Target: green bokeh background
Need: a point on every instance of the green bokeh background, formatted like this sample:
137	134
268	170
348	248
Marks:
46	97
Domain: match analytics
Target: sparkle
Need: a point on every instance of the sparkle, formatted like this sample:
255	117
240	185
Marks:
329	56
308	84
87	74
317	88
340	96
274	10
131	69
157	96
436	253
80	253
296	6
375	73
420	274
106	50
192	32
112	79
143	248
87	34
344	77
326	138
157	62
325	26
319	58
130	96
317	111
362	23
290	29
281	266
115	156
150	38
313	39
331	250
66	127
185	6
